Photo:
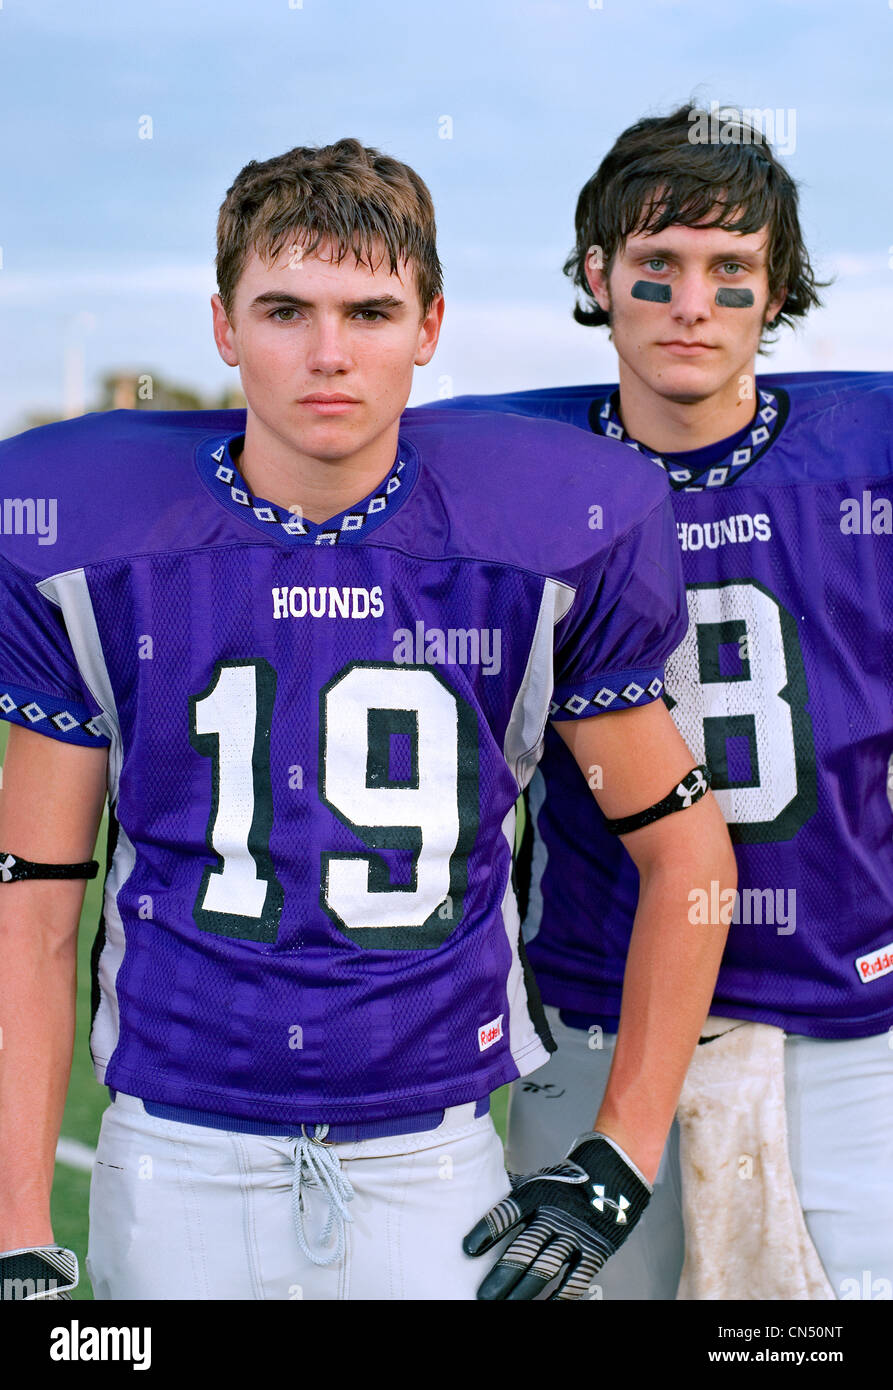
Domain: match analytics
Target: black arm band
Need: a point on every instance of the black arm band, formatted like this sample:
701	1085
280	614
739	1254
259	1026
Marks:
693	786
13	869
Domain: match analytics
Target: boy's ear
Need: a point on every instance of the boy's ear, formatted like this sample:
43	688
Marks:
224	336
597	277
429	331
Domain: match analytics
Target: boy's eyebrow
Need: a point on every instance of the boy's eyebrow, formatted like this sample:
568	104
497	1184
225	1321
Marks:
736	253
293	301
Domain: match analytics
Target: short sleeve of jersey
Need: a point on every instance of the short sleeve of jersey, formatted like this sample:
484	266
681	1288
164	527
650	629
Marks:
623	624
40	684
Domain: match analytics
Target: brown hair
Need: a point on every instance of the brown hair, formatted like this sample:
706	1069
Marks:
659	173
352	198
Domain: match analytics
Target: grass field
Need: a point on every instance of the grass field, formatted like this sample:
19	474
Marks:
87	1099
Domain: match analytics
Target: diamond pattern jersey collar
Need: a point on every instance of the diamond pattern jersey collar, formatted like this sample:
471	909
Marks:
772	411
218	470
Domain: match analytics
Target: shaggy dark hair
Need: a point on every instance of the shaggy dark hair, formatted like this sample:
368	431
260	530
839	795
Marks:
661	171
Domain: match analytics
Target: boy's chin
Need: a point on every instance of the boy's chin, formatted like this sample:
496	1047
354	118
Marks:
686	384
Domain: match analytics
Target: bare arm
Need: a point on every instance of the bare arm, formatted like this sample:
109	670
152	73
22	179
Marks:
672	964
50	805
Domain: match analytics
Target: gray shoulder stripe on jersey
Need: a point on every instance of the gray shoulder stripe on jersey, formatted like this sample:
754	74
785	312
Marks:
527	722
69	592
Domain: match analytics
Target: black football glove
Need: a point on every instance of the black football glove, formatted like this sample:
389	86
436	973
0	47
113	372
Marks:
43	1271
570	1217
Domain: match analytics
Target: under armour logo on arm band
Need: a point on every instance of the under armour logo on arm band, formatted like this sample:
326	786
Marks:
693	786
13	869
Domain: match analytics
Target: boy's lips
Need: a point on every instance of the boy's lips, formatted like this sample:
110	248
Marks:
681	348
322	403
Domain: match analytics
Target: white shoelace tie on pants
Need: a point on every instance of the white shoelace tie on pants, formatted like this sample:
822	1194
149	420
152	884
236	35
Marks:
317	1165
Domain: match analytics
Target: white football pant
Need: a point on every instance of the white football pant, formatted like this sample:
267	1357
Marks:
180	1211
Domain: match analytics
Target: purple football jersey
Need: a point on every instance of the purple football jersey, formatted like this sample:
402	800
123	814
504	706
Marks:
784	686
317	735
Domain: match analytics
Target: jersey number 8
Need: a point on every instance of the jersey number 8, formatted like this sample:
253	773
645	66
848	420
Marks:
736	688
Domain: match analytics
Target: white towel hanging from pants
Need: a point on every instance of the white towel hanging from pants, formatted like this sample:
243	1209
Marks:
745	1236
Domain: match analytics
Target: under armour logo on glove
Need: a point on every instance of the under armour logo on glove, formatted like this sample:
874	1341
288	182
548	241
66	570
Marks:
600	1201
7	863
561	1228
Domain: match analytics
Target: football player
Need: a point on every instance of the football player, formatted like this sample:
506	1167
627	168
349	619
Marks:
311	652
689	248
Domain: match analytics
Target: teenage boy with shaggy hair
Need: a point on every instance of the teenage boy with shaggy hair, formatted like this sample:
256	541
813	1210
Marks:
690	252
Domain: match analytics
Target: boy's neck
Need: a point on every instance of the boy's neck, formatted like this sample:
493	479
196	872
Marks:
312	487
674	427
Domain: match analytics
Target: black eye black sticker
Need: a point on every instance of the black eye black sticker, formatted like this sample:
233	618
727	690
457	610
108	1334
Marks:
647	289
735	299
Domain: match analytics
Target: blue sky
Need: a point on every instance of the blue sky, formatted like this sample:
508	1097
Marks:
108	239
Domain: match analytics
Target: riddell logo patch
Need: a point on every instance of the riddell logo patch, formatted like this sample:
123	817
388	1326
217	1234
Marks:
490	1033
875	964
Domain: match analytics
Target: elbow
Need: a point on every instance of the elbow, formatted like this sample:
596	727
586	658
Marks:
694	844
712	851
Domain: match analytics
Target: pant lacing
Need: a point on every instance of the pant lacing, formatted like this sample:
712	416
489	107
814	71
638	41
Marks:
317	1165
